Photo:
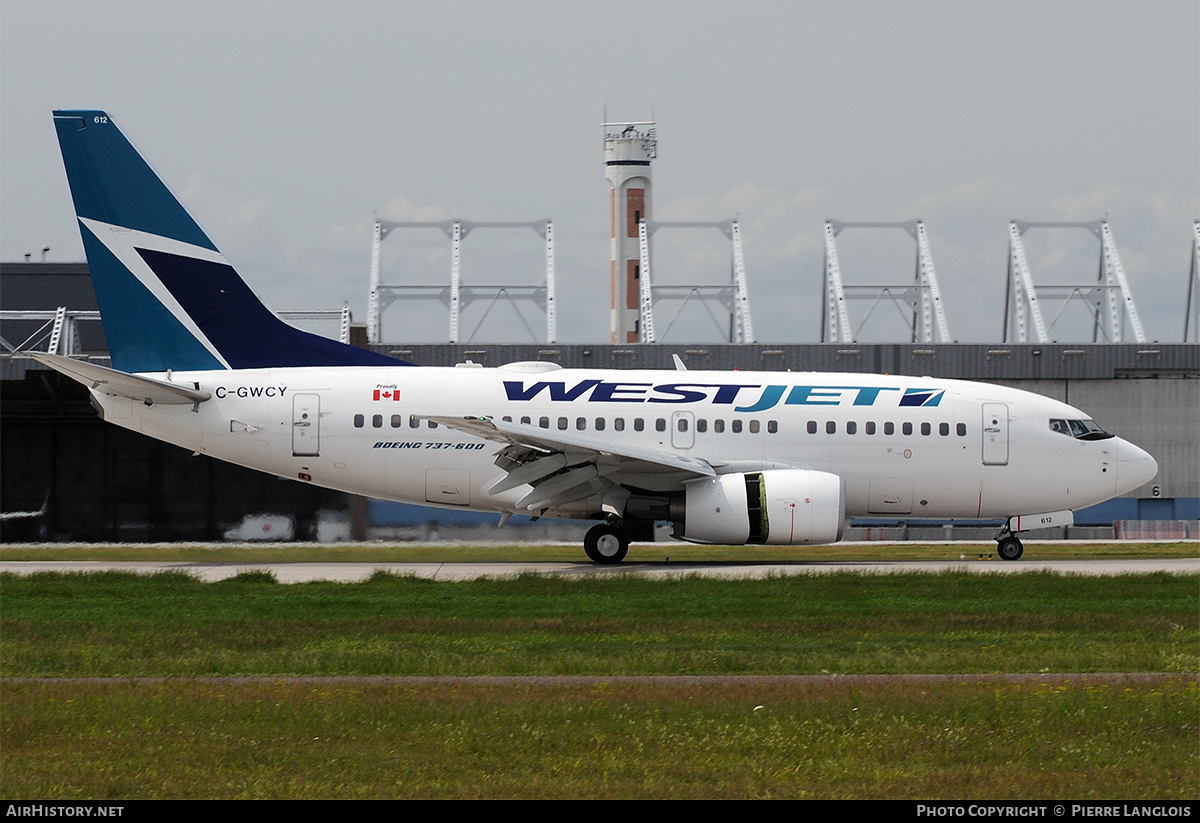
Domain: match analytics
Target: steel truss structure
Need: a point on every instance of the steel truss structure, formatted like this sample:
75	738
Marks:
1191	314
60	328
1108	300
919	301
457	296
733	296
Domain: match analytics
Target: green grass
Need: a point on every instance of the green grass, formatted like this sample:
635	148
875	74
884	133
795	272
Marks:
126	625
203	732
187	739
571	553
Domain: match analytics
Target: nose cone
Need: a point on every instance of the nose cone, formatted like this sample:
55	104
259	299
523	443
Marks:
1135	467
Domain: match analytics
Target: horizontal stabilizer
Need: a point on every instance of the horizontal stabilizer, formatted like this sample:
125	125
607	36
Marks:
119	384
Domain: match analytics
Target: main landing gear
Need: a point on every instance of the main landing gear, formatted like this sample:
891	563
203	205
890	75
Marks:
1007	545
606	543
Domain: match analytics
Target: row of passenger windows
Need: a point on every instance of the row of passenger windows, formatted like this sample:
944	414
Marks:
889	428
683	424
396	421
581	423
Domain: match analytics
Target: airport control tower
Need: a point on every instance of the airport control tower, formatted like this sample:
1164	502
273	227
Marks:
628	150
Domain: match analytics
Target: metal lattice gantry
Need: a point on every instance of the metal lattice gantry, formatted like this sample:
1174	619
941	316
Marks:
732	296
60	327
1191	314
919	301
1109	301
456	296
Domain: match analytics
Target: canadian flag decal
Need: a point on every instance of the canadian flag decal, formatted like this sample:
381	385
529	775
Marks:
390	393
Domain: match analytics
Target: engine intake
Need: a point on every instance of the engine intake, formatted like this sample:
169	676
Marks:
780	507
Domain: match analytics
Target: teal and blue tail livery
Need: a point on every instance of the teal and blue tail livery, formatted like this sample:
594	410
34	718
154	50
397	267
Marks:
168	298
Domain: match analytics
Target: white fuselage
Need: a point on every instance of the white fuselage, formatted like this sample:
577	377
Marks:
905	447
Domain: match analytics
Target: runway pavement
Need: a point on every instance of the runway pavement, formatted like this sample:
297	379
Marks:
353	572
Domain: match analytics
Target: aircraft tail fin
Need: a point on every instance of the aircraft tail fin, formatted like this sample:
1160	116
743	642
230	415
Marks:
168	298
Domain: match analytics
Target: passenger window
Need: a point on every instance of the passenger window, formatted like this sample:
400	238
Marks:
562	424
772	426
701	425
851	427
718	426
544	422
907	428
962	429
432	425
736	426
619	424
926	429
396	421
754	427
889	428
682	424
830	427
944	429
506	419
812	426
413	422
639	424
870	428
581	423
359	420
599	424
660	425
525	421
377	421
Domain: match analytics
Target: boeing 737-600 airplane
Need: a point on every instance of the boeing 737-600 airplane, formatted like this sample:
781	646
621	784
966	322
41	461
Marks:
729	457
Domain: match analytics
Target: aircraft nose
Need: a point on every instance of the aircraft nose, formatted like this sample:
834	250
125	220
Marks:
1135	467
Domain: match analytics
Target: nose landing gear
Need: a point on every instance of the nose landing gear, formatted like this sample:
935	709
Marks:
1009	548
1007	544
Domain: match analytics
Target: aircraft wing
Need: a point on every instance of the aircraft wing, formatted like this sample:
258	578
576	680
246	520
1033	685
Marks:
119	384
567	468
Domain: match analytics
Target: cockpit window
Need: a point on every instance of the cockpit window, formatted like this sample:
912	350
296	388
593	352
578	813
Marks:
1079	429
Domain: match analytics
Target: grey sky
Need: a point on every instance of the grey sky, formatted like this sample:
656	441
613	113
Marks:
286	127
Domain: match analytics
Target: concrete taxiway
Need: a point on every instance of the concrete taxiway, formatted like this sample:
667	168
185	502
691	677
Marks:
354	572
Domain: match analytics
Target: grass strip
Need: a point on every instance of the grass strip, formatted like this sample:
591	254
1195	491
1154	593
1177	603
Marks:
125	625
187	739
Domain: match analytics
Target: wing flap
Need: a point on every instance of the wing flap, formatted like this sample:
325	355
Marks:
566	468
567	442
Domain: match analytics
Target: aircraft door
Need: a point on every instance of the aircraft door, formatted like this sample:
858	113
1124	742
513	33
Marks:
306	425
995	434
683	430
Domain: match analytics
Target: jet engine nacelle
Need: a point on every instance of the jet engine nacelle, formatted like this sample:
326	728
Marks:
780	507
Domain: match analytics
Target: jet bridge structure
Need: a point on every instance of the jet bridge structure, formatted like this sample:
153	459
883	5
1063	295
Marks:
918	301
456	296
733	296
1109	301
